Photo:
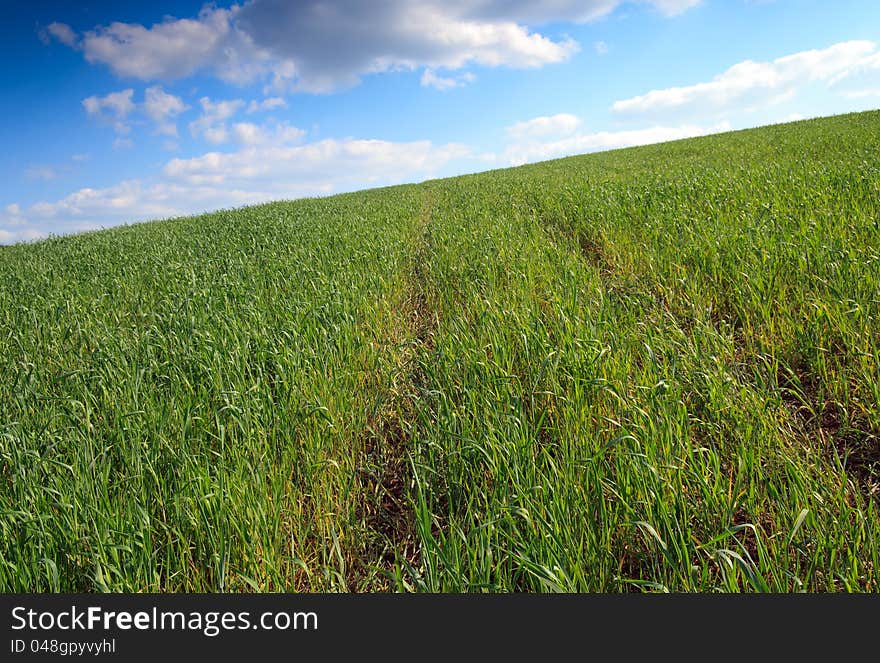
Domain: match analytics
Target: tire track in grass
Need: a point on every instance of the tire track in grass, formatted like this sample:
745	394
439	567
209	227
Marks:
637	563
810	417
385	508
822	423
591	247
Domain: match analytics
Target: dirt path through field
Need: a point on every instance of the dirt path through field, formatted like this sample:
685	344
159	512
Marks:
386	510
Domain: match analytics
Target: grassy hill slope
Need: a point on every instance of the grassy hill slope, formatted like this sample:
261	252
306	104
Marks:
647	369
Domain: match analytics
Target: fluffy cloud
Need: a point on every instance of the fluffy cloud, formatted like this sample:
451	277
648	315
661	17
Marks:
172	49
443	83
321	45
674	7
251	135
20	235
211	125
557	136
322	166
116	107
260	171
162	108
754	84
333	44
62	33
270	103
541	127
14	226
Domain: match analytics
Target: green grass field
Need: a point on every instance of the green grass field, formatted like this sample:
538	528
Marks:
643	370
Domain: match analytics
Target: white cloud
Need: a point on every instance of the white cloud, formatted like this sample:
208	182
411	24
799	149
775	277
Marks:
868	69
14	227
560	124
333	44
63	33
601	48
99	205
21	235
322	45
674	7
251	135
270	103
528	146
80	157
162	108
750	85
216	135
119	103
122	143
211	125
324	165
115	107
172	49
247	133
443	83
258	172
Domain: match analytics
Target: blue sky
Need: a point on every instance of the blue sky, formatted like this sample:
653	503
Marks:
118	112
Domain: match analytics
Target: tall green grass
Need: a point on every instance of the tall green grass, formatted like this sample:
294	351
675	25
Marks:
654	369
183	402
